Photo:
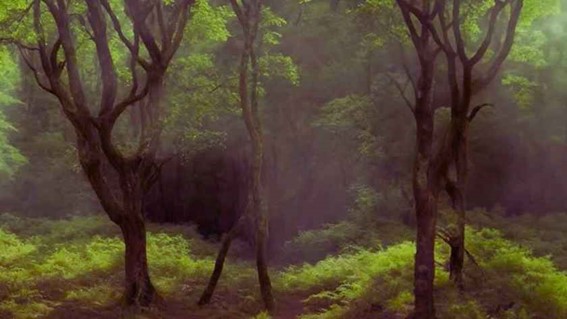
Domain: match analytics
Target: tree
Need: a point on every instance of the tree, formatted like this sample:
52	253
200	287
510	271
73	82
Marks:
249	15
425	178
448	37
10	157
463	86
155	28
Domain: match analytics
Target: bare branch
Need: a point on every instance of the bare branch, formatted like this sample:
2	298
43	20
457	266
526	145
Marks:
83	23
406	69
57	68
238	11
445	27
495	11
40	33
406	9
18	43
35	72
501	56
118	28
176	30
477	109
460	43
130	100
61	17
165	35
402	91
139	14
105	60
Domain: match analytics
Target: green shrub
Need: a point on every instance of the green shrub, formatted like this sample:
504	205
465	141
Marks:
544	235
58	265
171	264
347	280
74	260
507	283
13	249
531	283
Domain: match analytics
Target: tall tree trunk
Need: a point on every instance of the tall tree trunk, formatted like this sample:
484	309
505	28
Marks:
261	258
425	187
127	214
427	167
139	288
249	18
256	132
424	270
140	291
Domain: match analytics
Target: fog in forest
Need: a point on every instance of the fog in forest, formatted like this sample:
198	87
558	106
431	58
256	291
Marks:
283	159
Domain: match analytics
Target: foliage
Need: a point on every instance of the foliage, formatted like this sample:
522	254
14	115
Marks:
523	90
45	264
13	249
533	284
352	284
544	235
10	157
340	141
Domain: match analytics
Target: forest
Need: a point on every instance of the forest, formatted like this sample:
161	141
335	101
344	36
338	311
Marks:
312	159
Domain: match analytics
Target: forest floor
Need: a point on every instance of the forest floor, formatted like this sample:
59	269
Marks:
72	269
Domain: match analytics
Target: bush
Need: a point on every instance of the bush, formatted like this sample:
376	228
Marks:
353	282
13	249
516	277
544	235
508	282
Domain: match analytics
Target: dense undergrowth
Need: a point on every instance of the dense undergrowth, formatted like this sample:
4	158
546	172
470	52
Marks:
48	265
45	264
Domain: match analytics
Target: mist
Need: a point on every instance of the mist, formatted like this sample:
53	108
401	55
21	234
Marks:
283	159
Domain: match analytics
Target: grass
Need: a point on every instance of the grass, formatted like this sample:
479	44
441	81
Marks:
73	268
45	264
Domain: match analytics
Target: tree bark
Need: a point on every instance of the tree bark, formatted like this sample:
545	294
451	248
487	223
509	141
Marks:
57	57
431	171
139	290
450	40
426	177
425	193
219	265
457	240
424	269
262	263
249	18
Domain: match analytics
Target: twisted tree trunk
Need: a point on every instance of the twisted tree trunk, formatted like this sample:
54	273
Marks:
139	288
249	15
57	57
